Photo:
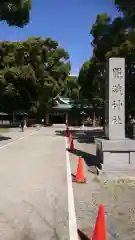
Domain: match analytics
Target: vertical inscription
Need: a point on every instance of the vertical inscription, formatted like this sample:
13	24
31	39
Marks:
115	99
117	93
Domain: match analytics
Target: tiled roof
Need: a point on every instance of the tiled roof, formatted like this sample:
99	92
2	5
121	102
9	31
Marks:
3	114
67	103
63	106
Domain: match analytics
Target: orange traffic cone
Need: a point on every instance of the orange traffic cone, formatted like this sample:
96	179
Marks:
71	145
100	228
71	148
67	132
79	178
66	123
69	138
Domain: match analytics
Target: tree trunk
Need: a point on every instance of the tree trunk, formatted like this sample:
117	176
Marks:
47	119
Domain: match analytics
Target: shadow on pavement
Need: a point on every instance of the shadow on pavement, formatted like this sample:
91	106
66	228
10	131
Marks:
83	136
90	159
86	234
4	138
73	175
82	235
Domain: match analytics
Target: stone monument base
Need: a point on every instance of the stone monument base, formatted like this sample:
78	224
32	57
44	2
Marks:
116	155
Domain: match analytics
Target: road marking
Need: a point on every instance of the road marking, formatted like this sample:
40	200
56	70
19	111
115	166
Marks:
18	139
71	207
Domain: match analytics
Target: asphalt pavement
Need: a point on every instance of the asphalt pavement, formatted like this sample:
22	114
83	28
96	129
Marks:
38	200
33	186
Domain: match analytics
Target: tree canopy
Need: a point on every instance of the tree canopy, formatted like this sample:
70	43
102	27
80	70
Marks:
127	7
32	73
111	38
15	12
71	88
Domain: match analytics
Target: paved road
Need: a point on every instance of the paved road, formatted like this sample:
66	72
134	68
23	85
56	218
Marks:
37	196
33	186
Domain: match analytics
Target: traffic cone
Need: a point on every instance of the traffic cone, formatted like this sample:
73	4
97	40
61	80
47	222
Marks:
66	123
69	138
67	132
71	145
79	178
100	228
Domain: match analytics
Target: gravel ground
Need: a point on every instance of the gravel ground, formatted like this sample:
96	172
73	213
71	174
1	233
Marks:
33	186
116	190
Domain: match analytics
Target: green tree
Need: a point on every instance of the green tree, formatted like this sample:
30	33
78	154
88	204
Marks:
90	88
15	12
71	88
128	10
127	7
33	72
110	39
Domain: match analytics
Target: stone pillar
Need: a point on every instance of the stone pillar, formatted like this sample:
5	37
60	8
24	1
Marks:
115	99
115	151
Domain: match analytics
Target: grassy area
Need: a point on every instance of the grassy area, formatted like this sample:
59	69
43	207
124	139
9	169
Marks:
4	130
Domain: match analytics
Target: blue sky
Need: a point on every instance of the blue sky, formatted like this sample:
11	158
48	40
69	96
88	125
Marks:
68	21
